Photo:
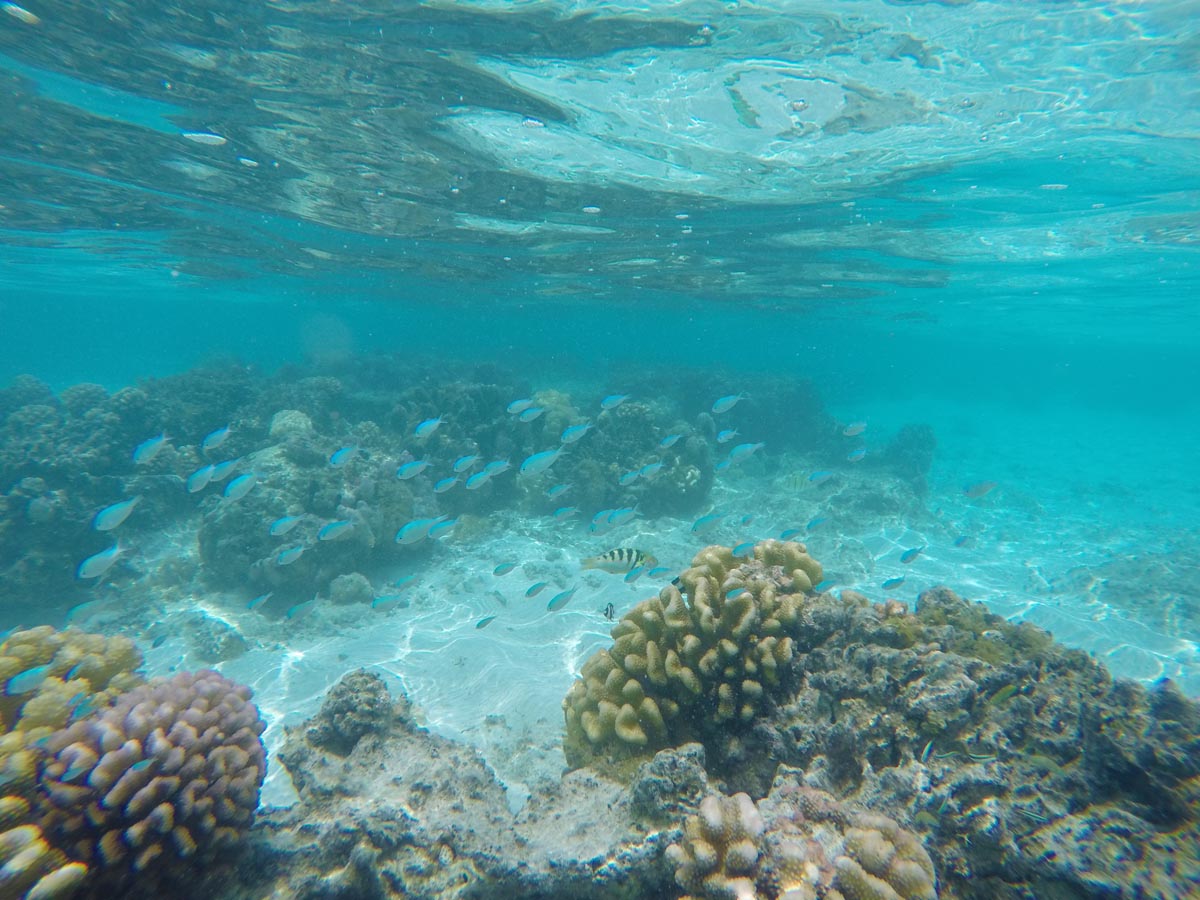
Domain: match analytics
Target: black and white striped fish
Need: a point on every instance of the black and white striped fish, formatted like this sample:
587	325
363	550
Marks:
619	561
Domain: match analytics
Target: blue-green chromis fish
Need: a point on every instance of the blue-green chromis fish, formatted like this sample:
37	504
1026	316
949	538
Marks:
113	516
284	524
149	448
240	486
561	599
333	530
99	563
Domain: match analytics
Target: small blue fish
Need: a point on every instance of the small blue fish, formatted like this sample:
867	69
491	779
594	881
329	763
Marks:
404	582
112	516
909	555
735	593
741	551
572	433
856	455
629	478
557	491
725	404
283	525
518	406
222	469
789	534
464	462
340	457
634	574
565	512
820	477
620	516
964	540
658	570
496	466
149	448
428	427
744	451
724	437
388	601
649	470
707	523
722	465
825	585
540	462
478	480
746	519
215	439
485	622
99	563
440	529
27	681
669	441
142	764
612	401
816	522
561	599
288	556
444	484
529	415
301	610
417	530
199	479
536	588
412	469
893	583
504	568
259	601
331	531
240	486
73	672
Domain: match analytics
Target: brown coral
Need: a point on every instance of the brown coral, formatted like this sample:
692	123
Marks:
798	844
704	655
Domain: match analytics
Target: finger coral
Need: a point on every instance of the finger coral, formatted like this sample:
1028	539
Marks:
170	772
798	844
703	656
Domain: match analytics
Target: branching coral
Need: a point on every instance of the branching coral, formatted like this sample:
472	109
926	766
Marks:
707	653
799	844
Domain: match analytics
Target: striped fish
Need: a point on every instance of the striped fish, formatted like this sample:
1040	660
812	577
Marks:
619	561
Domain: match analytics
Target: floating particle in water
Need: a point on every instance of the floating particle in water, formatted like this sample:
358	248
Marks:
531	122
207	138
248	162
21	14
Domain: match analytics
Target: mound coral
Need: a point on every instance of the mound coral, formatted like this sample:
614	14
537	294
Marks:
111	802
706	654
798	844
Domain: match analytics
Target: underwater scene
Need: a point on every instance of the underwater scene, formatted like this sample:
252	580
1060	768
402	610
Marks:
546	449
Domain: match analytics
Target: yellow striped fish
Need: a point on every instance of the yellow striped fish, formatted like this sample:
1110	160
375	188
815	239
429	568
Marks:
619	561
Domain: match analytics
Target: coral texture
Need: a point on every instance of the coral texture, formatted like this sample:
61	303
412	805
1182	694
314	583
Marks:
705	655
798	844
170	772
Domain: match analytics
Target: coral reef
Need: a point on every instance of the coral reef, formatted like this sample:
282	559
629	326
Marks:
798	844
112	784
157	784
702	659
398	812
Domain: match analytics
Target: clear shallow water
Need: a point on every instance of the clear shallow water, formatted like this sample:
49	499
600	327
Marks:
981	217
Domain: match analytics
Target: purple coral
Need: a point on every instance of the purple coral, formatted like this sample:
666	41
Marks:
170	772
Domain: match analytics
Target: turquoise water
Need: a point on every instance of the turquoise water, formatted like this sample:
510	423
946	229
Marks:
977	217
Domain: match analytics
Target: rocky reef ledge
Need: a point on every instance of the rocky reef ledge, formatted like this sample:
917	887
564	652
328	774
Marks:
936	753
